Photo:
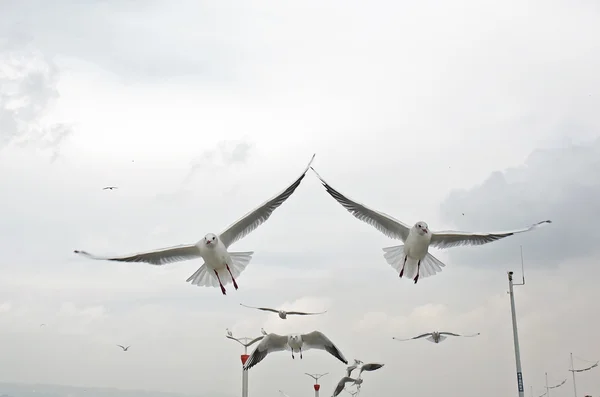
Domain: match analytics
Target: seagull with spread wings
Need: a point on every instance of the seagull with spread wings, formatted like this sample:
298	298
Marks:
342	384
413	259
220	267
282	313
124	348
296	343
436	337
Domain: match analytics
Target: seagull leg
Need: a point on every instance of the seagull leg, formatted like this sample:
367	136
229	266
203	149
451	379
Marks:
229	270
293	353
418	270
220	283
300	353
404	264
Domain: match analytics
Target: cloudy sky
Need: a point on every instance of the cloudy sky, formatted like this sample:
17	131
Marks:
200	111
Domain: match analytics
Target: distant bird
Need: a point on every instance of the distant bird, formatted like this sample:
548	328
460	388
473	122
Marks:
42	325
262	331
110	188
369	367
294	342
228	332
436	337
220	266
124	348
282	313
352	393
408	258
342	384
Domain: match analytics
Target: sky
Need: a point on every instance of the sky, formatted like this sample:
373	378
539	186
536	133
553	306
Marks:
470	115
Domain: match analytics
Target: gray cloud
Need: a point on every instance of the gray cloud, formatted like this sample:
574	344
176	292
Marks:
28	90
561	184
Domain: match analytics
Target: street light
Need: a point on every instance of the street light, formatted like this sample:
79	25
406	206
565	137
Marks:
246	342
316	377
514	325
573	370
547	394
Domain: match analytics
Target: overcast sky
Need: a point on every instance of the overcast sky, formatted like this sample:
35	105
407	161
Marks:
200	111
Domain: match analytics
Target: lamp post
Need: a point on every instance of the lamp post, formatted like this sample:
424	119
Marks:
246	342
316	377
514	325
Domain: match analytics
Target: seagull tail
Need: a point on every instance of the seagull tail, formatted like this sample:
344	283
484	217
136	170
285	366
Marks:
205	277
430	265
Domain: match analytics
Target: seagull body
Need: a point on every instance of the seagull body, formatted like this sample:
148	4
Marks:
220	266
436	337
294	342
282	313
342	384
124	348
413	259
110	188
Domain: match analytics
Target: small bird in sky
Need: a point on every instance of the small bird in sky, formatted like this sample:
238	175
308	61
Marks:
282	313
110	188
436	337
42	325
124	348
408	258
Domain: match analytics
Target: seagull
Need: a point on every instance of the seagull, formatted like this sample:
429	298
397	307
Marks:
262	331
229	333
408	258
436	337
124	348
352	393
110	188
220	266
294	342
282	313
369	367
352	367
342	384
42	325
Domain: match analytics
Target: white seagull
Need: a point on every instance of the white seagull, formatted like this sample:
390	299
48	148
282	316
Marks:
342	384
294	342
436	337
408	258
124	348
282	313
220	266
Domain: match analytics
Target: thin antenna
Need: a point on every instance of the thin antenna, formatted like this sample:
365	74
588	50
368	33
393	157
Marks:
522	268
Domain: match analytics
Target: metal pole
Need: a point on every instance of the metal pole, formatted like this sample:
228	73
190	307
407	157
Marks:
316	390
516	335
573	372
244	373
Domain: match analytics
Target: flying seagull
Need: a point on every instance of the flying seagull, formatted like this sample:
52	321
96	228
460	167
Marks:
352	367
342	384
229	333
352	393
110	188
294	342
408	258
282	313
220	266
436	337
124	348
369	367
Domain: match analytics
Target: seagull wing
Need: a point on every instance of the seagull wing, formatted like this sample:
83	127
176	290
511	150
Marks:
448	239
305	313
158	257
449	333
258	216
341	384
386	224
268	309
317	340
271	343
416	337
122	347
253	341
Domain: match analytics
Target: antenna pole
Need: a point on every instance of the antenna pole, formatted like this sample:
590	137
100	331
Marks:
547	388
573	372
515	336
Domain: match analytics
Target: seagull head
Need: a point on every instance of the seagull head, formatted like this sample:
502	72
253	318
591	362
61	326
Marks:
422	228
210	240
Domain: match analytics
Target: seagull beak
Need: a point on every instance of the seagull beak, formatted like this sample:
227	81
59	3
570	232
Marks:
207	242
